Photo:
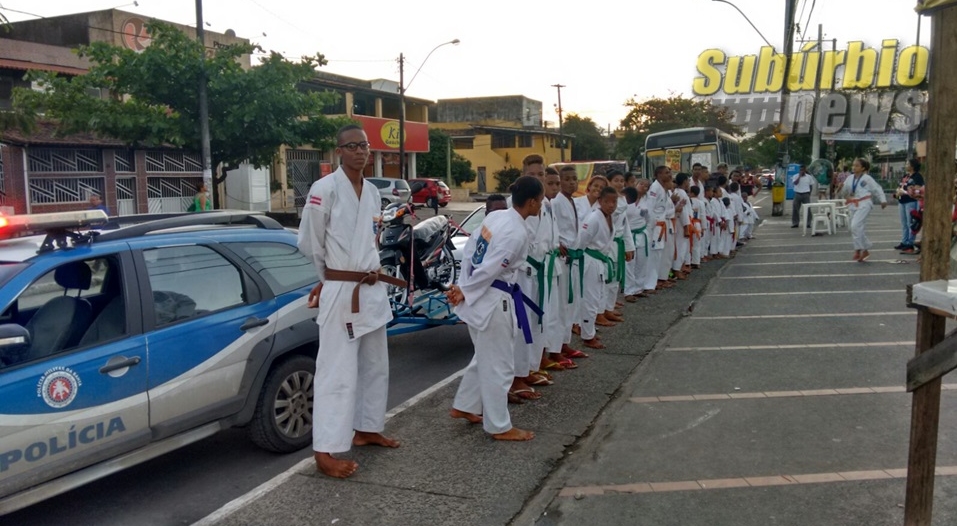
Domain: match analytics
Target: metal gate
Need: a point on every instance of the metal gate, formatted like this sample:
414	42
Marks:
166	195
125	196
302	169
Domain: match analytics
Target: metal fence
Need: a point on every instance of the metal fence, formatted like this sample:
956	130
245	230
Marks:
171	194
64	160
64	190
173	162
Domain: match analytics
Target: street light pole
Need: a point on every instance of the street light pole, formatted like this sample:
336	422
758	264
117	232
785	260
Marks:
204	104
402	88
561	132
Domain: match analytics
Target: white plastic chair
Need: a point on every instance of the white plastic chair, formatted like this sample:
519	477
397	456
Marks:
819	217
843	217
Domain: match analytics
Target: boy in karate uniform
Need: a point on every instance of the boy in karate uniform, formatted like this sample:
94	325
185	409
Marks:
656	204
568	223
488	299
596	239
698	214
622	248
638	230
681	265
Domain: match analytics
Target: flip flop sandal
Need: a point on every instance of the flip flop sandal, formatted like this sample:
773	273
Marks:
526	394
567	363
514	399
543	373
575	353
538	381
555	366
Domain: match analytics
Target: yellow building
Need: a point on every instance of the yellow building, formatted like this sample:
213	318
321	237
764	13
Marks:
496	133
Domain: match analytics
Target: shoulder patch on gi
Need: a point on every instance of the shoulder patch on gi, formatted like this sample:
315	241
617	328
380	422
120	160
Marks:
315	200
481	246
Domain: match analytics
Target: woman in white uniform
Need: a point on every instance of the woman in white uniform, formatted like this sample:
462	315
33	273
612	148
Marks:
860	192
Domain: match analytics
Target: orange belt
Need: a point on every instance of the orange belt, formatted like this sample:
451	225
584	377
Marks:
664	230
854	200
361	278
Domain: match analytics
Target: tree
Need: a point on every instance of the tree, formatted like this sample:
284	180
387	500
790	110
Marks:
435	162
505	178
152	99
588	143
673	113
762	149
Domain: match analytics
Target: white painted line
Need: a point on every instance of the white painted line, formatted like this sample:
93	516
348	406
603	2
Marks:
792	347
793	276
838	262
244	500
750	255
791	316
807	293
844	242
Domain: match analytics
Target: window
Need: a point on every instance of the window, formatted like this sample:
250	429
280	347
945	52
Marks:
525	141
379	183
190	281
503	140
282	266
463	144
402	184
45	288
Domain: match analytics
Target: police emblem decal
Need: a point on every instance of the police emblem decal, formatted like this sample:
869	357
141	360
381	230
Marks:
58	387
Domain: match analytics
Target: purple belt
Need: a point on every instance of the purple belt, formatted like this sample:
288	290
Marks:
520	300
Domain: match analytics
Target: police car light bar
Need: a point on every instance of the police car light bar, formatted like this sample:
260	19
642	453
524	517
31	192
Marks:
11	225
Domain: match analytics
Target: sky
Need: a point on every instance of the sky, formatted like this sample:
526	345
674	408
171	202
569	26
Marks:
603	51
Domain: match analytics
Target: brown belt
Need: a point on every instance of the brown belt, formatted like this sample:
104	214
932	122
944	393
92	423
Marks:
361	278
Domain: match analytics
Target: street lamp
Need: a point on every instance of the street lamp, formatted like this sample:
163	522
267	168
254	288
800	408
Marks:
402	87
749	21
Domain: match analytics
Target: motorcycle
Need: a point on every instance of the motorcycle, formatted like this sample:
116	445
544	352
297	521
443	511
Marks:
420	254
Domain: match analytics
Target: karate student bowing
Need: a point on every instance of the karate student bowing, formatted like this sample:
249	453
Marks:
490	302
352	366
596	238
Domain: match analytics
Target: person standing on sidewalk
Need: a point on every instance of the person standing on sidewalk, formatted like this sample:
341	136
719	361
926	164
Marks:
352	366
802	194
597	239
860	191
911	184
488	299
569	284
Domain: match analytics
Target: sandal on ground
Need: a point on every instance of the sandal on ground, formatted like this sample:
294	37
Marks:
514	399
575	353
567	363
538	380
526	393
555	366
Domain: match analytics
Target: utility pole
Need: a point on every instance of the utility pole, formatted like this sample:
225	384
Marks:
816	133
790	6
448	163
402	173
204	104
561	133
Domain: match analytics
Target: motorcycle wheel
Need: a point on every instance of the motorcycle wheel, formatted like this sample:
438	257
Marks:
445	272
397	295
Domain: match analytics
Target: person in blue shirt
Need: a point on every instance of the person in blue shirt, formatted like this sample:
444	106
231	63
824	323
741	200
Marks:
96	203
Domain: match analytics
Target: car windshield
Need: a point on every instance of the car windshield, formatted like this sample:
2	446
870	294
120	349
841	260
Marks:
10	269
443	186
474	220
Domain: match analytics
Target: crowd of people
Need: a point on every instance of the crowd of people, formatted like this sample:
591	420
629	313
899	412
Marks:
547	265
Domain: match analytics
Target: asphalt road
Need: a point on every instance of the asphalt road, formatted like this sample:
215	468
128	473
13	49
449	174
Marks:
188	484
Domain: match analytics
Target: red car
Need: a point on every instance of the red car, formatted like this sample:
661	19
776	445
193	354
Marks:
422	188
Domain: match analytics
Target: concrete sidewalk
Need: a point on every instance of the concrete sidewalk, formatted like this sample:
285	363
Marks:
764	390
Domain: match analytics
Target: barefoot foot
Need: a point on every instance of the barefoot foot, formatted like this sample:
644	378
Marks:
471	417
363	438
515	435
335	467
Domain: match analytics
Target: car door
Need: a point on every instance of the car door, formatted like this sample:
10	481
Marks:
204	317
85	401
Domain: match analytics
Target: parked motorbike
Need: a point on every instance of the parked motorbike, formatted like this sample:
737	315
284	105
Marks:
420	254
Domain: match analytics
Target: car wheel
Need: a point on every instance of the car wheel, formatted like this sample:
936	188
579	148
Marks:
443	205
282	421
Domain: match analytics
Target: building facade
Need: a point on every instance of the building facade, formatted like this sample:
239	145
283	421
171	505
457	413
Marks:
496	133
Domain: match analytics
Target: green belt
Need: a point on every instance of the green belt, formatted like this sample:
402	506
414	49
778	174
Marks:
540	269
609	264
641	232
576	254
620	269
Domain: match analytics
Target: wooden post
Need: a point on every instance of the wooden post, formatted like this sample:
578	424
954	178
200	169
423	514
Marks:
935	260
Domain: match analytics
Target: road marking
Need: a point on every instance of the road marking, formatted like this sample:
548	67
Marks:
790	316
744	482
739	395
836	243
798	346
792	276
752	255
837	262
243	500
807	293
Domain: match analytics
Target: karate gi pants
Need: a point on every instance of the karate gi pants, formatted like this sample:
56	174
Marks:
725	242
667	257
553	324
594	296
612	289
524	351
859	225
484	387
697	246
683	247
635	279
569	310
351	387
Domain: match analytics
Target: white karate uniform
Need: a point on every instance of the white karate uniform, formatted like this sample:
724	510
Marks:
737	204
860	193
542	248
682	243
620	224
635	278
656	203
716	208
727	235
352	366
747	226
584	208
595	235
568	224
496	252
670	243
698	214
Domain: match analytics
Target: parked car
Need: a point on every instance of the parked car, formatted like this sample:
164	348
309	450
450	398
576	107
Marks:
422	188
461	235
118	345
392	190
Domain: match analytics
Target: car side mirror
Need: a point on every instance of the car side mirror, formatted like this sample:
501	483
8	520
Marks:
14	341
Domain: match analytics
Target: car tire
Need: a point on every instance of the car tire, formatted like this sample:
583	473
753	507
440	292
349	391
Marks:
282	422
443	205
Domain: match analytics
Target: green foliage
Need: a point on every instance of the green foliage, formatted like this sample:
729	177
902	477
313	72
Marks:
435	162
505	177
630	147
762	149
151	98
588	144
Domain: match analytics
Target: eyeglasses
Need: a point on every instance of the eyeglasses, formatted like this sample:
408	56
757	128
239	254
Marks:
353	146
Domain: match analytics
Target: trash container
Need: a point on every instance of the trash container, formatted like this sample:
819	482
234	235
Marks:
777	198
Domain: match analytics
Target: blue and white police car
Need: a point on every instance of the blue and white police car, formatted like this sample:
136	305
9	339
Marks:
120	344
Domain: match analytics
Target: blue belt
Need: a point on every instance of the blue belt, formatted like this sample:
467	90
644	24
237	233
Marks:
521	301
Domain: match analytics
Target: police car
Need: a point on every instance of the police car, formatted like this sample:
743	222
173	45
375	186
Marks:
120	344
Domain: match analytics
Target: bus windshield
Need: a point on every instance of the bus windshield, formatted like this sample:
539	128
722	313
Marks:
681	149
